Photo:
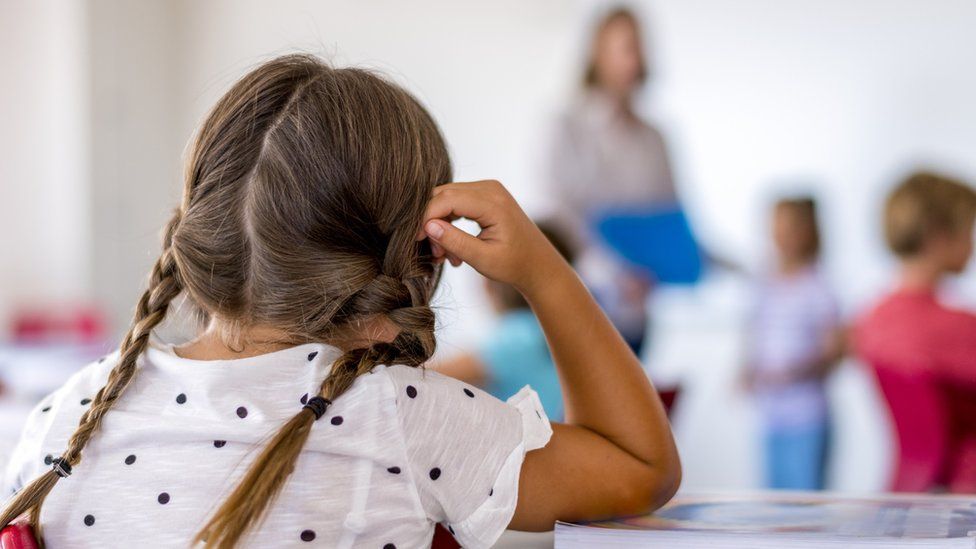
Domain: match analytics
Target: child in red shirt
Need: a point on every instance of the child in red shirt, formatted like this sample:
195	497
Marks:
929	223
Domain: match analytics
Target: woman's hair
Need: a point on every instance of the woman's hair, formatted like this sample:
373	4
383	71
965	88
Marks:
304	192
804	212
925	204
620	13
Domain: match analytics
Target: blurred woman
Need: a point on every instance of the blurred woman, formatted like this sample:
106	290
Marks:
605	156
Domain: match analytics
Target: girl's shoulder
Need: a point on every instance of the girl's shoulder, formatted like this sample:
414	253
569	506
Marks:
52	421
465	448
408	376
74	397
424	396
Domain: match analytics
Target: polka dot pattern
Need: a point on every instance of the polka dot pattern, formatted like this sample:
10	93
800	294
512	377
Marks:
437	395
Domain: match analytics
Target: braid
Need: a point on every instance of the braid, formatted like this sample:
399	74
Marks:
262	483
404	303
164	286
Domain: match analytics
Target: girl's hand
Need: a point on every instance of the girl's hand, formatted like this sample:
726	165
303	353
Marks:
509	248
616	455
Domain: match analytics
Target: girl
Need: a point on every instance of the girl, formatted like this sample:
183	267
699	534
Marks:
311	233
796	340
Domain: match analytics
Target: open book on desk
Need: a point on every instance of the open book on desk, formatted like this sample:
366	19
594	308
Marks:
787	520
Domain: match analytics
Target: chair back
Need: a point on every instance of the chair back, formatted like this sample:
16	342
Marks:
18	535
442	539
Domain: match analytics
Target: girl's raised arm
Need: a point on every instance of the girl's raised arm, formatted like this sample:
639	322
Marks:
615	454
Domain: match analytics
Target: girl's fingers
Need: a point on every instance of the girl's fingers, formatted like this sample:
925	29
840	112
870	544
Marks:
464	200
452	201
455	242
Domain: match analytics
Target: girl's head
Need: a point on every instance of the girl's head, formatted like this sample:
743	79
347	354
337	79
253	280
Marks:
616	58
796	234
930	217
304	192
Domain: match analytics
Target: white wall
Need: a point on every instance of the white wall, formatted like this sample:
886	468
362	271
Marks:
44	209
136	148
851	94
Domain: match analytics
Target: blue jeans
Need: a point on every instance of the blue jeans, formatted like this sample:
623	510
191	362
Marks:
796	457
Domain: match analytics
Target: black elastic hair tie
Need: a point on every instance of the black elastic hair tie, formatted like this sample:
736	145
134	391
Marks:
318	406
61	467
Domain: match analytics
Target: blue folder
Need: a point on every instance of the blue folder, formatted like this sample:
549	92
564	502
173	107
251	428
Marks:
658	240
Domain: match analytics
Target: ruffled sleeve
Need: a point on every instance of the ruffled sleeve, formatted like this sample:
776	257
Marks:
465	449
483	527
536	429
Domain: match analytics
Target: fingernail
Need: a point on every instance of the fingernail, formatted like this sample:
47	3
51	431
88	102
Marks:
434	229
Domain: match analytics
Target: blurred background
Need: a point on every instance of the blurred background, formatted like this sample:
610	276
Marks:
753	100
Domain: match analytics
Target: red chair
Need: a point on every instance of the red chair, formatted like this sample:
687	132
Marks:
18	535
921	422
442	539
668	397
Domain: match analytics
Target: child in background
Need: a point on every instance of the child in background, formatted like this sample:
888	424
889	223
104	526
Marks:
315	220
929	222
795	340
516	353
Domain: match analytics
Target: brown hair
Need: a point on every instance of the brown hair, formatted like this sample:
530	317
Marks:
303	194
925	204
804	210
509	298
590	76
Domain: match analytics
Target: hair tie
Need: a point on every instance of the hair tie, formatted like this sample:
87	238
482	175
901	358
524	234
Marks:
61	467
318	405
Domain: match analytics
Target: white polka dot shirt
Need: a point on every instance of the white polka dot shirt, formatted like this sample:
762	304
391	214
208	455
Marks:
401	450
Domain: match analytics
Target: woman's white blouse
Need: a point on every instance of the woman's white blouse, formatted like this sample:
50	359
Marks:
401	450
